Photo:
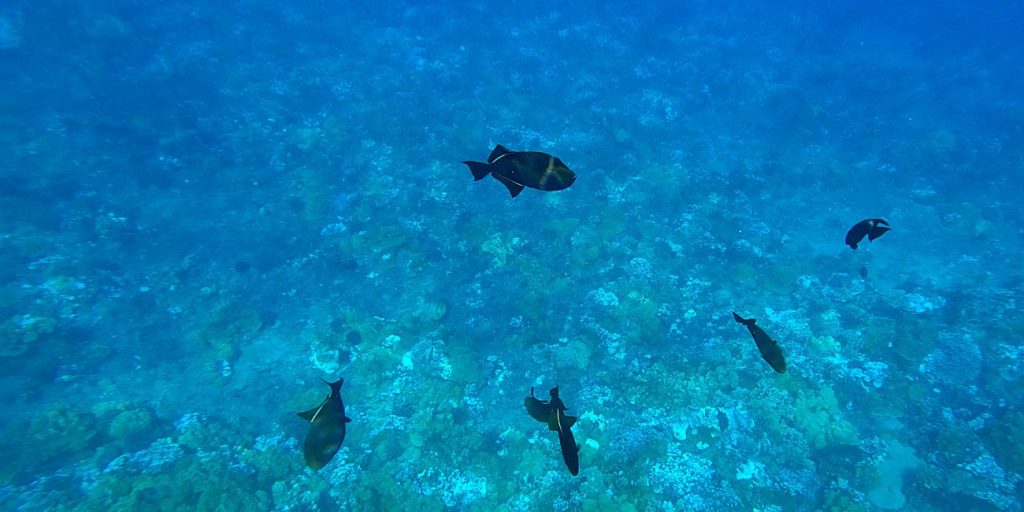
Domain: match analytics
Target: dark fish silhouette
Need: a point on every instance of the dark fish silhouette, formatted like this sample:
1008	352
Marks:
539	409
769	349
326	428
562	424
519	169
871	228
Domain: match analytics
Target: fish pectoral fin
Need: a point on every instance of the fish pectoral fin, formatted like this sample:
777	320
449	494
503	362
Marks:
513	187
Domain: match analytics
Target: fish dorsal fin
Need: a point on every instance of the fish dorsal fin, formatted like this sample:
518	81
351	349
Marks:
568	421
513	187
558	421
497	152
309	415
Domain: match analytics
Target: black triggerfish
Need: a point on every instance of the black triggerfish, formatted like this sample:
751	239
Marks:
326	428
562	424
871	228
538	409
520	169
769	349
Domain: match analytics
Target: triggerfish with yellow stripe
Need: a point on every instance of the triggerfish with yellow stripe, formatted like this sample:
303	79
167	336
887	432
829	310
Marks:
520	169
326	428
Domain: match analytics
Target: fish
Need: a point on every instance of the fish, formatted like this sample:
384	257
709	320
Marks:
559	422
768	347
871	228
520	169
326	428
538	409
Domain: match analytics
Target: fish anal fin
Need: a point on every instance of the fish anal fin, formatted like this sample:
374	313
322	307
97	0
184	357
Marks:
513	187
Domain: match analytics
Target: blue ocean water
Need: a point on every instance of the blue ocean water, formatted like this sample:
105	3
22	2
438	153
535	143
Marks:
208	207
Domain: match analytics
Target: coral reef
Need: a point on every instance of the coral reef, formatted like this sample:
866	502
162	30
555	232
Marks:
205	209
818	416
19	334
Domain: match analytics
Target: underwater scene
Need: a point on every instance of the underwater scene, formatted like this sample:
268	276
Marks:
511	256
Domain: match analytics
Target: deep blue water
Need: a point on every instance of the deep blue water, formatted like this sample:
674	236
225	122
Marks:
207	207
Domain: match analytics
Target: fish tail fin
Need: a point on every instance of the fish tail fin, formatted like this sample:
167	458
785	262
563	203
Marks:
744	321
497	152
480	170
336	385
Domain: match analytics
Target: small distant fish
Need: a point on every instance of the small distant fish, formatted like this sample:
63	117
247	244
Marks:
326	428
864	272
538	409
519	169
768	347
871	228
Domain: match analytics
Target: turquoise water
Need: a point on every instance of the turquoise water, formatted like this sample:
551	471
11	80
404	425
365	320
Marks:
206	208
